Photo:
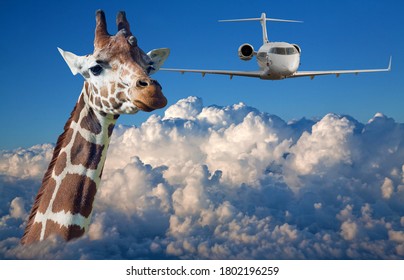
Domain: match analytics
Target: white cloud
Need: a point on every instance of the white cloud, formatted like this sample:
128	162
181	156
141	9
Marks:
387	188
26	163
397	236
349	230
17	209
229	182
325	147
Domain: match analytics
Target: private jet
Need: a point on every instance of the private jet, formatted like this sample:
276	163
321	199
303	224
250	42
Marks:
276	60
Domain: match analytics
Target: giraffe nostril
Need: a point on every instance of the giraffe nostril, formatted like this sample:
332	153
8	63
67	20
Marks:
142	84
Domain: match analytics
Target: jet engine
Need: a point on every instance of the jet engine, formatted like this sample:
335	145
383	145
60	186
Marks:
246	52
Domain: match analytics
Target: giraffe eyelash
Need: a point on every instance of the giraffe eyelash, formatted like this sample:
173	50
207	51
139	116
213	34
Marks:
99	67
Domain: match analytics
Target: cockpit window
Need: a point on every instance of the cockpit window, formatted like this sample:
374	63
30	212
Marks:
283	51
291	50
278	50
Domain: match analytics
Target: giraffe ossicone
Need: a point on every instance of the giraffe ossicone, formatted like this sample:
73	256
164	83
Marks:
117	81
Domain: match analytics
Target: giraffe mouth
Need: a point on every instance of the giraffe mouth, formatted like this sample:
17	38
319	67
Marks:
142	106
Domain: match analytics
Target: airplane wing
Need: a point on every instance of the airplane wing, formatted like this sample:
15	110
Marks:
254	74
312	74
261	74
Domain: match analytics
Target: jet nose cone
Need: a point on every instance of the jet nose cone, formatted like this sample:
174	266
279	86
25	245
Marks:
289	69
286	70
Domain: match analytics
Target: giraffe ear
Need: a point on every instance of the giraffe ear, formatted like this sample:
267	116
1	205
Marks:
157	56
76	63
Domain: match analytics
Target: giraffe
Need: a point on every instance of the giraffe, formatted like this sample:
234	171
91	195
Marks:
116	82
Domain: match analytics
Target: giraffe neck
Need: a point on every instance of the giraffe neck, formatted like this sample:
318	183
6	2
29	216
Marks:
64	202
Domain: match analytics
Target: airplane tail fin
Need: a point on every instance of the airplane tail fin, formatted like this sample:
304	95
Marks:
263	19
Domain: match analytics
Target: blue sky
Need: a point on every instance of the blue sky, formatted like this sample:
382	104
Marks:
38	91
213	178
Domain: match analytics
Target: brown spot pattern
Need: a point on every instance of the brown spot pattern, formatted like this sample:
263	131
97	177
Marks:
125	73
79	107
76	194
110	129
54	228
121	96
114	104
68	137
105	103
98	102
112	87
91	122
74	232
67	233
104	92
91	97
60	164
95	89
48	184
86	153
34	233
47	196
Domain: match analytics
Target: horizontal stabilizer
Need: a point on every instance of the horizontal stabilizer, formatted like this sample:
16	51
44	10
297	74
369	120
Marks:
263	19
259	19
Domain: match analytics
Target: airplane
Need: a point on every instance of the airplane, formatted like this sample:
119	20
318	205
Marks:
276	60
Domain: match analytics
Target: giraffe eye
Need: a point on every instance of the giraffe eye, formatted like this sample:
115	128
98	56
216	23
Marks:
96	70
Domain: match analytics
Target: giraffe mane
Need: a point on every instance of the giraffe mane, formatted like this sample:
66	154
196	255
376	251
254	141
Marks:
48	173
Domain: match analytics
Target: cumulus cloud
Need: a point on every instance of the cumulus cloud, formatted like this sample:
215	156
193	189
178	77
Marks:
26	163
210	182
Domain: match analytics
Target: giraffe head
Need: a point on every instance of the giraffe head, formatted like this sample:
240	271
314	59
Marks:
117	73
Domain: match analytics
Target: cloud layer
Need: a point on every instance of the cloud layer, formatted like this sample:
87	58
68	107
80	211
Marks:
229	183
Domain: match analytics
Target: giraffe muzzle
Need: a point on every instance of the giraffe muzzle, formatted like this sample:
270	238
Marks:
149	95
